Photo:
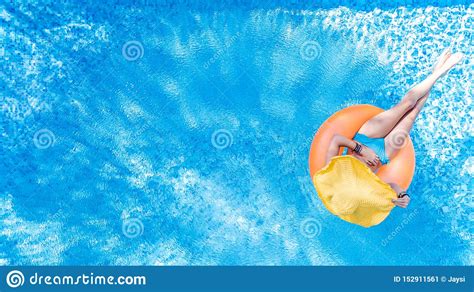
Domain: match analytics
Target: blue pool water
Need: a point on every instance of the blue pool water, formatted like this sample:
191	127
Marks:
178	133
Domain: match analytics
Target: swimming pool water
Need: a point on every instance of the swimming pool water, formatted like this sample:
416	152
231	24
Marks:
178	133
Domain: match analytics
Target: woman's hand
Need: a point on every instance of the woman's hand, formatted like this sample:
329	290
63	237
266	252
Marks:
368	156
402	202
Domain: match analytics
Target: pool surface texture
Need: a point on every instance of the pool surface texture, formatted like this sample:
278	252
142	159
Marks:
178	134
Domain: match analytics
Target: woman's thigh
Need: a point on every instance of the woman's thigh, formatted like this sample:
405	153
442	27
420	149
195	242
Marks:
380	125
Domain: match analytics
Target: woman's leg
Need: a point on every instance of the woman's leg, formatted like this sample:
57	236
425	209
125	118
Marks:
396	138
380	125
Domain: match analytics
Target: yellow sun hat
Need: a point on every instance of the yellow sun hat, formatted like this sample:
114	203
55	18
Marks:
351	191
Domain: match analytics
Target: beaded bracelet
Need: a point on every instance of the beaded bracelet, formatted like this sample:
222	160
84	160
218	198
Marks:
358	148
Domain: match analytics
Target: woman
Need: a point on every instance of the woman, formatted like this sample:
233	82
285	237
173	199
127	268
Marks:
382	136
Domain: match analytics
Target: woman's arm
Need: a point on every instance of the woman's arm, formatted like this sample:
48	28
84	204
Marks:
364	153
338	141
403	198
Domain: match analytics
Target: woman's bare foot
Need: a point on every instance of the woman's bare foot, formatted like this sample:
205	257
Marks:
441	59
449	63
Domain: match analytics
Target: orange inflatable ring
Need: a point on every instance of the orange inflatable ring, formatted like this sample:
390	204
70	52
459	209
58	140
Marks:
347	122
